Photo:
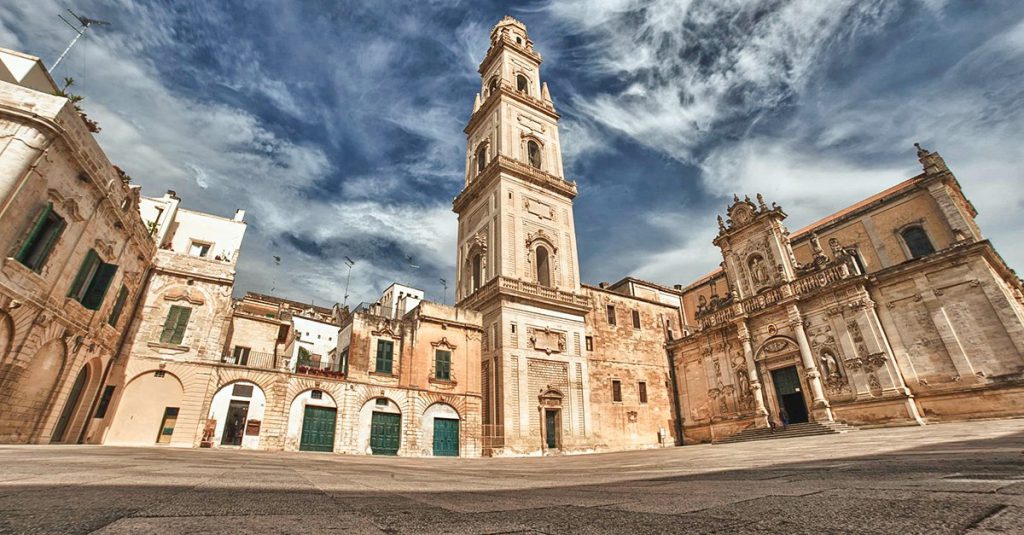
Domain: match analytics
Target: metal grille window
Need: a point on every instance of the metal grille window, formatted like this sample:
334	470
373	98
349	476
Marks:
443	364
385	356
316	394
175	324
616	390
45	231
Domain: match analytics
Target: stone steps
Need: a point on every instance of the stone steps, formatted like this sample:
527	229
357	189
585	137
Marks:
793	431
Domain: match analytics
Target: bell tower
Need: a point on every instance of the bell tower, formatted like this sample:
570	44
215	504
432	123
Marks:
516	261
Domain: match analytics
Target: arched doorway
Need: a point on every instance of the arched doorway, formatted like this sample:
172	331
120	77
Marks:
70	405
380	427
551	419
312	421
440	424
237	410
32	389
148	410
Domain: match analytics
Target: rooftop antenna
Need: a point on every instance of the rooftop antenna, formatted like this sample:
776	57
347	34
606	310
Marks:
444	284
85	23
348	262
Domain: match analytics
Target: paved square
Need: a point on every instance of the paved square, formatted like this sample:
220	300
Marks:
946	478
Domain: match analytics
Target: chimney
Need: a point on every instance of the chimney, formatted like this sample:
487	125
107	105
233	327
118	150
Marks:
239	215
603	285
678	287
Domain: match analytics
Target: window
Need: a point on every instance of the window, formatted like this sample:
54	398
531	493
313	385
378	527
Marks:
636	319
174	325
543	267
344	362
241	355
108	394
641	389
199	249
513	328
492	86
443	364
917	242
385	355
611	314
616	390
92	281
590	343
45	231
241	391
159	373
115	313
316	394
521	83
533	152
477	271
382	402
481	159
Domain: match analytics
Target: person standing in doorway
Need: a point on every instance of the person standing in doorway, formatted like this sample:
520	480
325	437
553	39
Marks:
784	416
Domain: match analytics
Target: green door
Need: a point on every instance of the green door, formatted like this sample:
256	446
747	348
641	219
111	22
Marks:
318	429
446	437
384	430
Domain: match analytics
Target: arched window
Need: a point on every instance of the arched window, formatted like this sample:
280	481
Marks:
481	158
533	152
543	267
917	242
478	271
521	83
492	86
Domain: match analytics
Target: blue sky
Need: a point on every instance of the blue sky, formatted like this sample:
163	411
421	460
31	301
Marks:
338	125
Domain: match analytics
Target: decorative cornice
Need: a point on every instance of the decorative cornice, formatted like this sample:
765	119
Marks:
504	164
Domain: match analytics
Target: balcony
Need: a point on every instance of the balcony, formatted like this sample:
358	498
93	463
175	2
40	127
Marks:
255	359
575	302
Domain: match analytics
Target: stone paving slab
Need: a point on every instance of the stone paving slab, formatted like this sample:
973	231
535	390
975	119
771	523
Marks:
949	478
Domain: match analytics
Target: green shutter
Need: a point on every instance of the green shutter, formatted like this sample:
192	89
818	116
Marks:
179	328
98	286
91	258
115	314
442	365
167	335
37	226
51	241
384	356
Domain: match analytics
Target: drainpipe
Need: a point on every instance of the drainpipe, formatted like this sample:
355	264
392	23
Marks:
143	290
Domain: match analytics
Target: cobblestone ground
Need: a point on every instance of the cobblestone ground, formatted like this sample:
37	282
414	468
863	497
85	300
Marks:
947	478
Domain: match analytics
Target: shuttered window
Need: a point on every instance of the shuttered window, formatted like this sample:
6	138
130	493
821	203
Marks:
442	364
385	356
46	229
115	313
92	281
175	324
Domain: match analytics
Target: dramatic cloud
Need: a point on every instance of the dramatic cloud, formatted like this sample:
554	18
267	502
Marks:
338	126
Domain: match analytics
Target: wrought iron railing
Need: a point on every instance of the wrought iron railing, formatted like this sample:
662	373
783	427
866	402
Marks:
253	359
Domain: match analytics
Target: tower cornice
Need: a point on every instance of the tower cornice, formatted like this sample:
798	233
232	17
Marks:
488	106
516	169
502	42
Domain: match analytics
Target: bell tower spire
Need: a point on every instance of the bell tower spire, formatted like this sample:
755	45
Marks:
516	261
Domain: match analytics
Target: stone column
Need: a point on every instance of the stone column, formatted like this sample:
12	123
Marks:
820	407
761	414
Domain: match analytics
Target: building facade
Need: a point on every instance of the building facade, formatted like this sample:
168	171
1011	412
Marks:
906	314
74	262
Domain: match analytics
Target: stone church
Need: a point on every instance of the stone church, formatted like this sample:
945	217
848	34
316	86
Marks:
906	314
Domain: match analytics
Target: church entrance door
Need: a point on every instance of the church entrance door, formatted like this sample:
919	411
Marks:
551	428
791	399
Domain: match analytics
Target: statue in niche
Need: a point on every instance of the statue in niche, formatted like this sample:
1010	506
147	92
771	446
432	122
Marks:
758	270
829	364
742	382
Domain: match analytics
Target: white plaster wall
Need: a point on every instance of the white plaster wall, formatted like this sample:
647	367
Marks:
365	418
293	437
437	410
317	337
219	410
225	234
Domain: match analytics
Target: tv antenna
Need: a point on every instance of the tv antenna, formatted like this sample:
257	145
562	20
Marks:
85	23
444	300
348	262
